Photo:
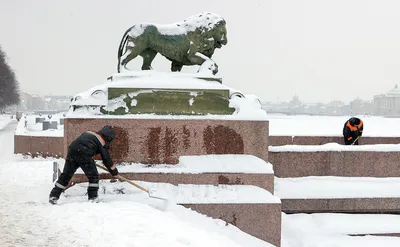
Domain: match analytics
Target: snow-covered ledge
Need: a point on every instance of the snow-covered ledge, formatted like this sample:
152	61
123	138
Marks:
200	164
335	147
339	194
199	169
333	159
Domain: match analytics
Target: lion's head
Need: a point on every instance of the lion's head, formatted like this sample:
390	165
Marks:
210	25
219	33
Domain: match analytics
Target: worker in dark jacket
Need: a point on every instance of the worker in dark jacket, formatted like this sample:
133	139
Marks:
352	130
80	154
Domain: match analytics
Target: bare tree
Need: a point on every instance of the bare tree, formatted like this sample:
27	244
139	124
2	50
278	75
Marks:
9	89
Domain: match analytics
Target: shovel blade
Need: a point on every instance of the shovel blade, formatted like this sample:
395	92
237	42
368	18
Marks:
158	195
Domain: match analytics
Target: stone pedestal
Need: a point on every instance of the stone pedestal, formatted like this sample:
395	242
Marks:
163	141
164	101
151	92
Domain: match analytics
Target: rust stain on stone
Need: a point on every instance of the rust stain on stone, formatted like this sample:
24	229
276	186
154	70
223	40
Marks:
223	179
222	140
153	146
238	181
186	136
170	147
229	219
119	147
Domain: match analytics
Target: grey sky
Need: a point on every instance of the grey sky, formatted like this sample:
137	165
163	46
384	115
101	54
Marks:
320	50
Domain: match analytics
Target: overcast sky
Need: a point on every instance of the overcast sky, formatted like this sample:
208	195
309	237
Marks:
320	50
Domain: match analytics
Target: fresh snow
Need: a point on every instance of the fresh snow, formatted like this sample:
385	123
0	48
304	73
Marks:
299	125
97	95
121	221
284	125
222	194
198	164
27	219
346	223
117	103
208	66
336	147
205	20
226	163
4	120
319	187
242	115
185	193
163	80
331	230
36	129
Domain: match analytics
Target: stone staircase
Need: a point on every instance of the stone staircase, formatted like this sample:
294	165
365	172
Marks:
333	178
235	188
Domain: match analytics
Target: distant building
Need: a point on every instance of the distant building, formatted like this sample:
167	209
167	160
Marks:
37	103
388	104
48	103
359	106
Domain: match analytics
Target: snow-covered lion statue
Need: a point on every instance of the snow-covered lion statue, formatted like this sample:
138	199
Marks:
189	42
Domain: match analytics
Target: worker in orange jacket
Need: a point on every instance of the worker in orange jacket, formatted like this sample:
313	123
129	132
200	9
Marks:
352	131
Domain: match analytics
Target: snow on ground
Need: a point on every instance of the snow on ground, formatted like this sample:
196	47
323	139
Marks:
345	223
36	129
281	125
336	187
331	230
278	125
134	219
4	120
27	219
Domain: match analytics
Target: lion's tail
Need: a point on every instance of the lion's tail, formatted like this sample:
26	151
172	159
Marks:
121	47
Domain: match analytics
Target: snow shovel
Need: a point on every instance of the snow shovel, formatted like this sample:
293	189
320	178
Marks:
355	140
151	193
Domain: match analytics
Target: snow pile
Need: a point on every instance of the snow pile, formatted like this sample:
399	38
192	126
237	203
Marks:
200	164
205	21
247	107
95	96
336	148
183	193
164	80
208	66
119	220
336	187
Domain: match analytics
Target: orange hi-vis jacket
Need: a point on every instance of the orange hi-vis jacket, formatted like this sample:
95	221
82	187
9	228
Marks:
350	130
